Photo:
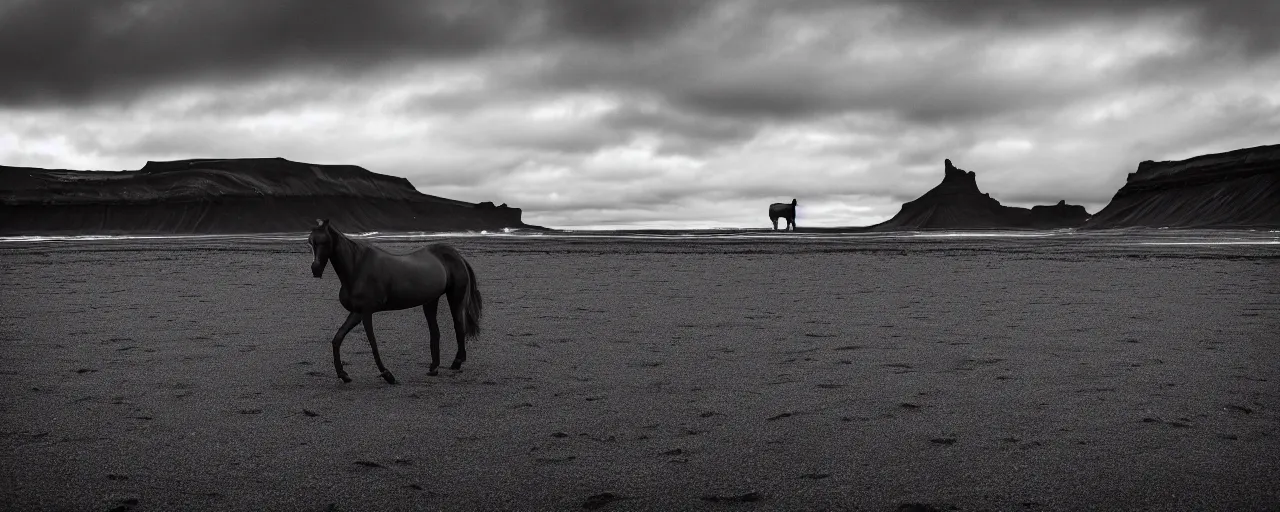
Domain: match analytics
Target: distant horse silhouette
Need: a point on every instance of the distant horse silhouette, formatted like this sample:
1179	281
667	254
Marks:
783	211
375	280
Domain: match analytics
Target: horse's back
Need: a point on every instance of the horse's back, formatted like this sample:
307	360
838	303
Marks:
410	279
781	209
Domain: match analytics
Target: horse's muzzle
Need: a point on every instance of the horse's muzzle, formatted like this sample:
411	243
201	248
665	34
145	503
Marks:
317	270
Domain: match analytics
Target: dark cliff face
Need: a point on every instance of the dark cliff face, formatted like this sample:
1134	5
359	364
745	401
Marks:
1236	189
229	196
957	203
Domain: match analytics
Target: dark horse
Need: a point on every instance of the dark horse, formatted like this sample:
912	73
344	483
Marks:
784	211
375	280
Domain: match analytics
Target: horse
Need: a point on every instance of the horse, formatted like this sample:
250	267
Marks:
785	211
375	280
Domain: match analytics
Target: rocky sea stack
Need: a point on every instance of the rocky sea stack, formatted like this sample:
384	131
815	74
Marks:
957	203
247	195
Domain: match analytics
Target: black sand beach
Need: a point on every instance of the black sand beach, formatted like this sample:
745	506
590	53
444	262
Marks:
1067	372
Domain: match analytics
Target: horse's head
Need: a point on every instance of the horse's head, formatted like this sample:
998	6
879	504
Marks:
321	241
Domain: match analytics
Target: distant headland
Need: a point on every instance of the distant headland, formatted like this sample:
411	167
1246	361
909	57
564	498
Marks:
245	195
1234	190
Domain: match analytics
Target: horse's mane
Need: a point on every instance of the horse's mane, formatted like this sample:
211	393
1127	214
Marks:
354	248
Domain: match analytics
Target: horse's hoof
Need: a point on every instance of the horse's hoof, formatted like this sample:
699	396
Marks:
433	372
388	377
345	379
457	365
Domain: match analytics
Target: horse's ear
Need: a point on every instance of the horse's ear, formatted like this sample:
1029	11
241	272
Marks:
322	223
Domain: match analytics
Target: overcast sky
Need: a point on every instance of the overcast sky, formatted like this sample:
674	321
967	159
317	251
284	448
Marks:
650	113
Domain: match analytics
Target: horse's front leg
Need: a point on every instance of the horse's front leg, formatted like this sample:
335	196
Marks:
429	310
350	323
373	344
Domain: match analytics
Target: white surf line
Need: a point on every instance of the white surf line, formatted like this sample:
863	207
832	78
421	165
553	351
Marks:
100	238
988	235
1250	242
248	236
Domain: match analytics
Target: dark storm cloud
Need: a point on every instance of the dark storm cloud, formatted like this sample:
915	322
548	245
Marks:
933	93
85	50
622	20
1250	22
676	132
56	51
680	132
729	74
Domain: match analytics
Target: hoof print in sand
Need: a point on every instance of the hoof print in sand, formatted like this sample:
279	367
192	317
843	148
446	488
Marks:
924	507
368	464
945	441
597	501
744	498
123	504
1182	423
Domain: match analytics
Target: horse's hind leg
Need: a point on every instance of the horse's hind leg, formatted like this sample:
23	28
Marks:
429	310
458	311
373	344
350	323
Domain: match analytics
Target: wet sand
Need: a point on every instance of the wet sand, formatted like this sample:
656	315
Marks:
636	374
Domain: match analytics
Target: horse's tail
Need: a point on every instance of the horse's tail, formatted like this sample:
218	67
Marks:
472	303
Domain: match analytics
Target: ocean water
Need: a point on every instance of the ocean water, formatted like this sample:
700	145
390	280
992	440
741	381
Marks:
1133	236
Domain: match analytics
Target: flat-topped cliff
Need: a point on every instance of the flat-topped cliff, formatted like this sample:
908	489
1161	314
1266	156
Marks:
248	195
1236	189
